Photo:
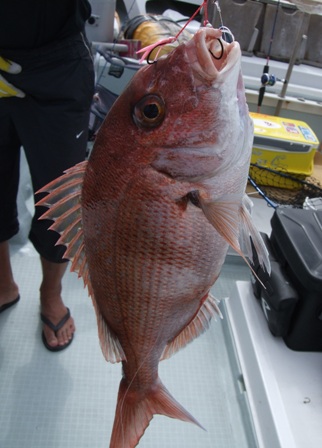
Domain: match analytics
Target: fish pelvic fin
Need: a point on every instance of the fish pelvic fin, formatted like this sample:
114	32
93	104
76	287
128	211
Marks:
63	201
233	222
199	324
135	410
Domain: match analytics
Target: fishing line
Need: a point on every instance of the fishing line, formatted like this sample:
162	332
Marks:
216	2
227	35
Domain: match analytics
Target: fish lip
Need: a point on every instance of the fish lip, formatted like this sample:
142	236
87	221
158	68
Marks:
207	45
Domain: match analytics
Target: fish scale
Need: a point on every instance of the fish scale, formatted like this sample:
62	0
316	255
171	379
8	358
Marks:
157	251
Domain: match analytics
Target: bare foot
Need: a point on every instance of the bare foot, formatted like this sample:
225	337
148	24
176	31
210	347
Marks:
8	295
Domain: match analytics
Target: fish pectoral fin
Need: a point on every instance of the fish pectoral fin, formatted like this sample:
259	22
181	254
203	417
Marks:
135	410
224	215
233	222
249	233
63	201
196	327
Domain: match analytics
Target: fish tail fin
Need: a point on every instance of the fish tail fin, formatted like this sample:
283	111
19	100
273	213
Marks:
135	410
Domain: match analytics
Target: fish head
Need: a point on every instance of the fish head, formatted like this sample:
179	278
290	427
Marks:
185	114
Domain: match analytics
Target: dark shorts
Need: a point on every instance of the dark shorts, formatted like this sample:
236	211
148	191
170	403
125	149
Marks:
51	123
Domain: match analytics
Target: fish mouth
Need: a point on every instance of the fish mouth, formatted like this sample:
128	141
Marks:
210	56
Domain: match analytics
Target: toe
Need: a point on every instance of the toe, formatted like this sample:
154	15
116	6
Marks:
65	334
50	337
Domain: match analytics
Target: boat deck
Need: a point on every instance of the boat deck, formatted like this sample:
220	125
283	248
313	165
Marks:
67	399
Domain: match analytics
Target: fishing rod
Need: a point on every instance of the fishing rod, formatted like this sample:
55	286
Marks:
266	78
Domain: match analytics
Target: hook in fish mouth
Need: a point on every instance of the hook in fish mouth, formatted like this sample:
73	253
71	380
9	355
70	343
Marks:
210	54
227	36
153	61
221	53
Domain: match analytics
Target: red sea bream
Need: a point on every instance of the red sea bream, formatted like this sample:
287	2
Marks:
148	219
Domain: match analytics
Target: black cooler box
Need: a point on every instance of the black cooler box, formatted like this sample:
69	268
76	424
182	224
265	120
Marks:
291	296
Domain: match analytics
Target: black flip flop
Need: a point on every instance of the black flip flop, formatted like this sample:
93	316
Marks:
55	328
8	305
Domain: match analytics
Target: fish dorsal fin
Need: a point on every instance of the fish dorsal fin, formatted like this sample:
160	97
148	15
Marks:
64	202
196	327
233	222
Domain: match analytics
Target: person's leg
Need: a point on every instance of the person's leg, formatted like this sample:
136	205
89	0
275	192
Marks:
53	124
52	305
9	290
9	180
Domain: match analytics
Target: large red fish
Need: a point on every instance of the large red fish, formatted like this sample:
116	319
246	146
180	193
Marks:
148	219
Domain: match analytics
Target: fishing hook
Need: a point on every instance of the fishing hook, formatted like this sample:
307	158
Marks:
148	56
222	51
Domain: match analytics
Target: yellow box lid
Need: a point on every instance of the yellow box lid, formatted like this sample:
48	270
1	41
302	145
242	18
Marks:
280	128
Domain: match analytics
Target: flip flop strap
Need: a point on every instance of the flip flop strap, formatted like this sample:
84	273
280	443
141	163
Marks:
60	324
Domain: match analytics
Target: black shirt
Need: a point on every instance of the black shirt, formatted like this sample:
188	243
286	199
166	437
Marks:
29	24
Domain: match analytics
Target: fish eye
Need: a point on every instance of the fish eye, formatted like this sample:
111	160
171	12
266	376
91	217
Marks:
149	112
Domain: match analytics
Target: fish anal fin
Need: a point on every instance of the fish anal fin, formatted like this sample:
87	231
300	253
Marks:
196	327
110	345
135	410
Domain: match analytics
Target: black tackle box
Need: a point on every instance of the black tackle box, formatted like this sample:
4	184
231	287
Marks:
291	296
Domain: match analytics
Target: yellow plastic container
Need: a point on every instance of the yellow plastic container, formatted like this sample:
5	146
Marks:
283	145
